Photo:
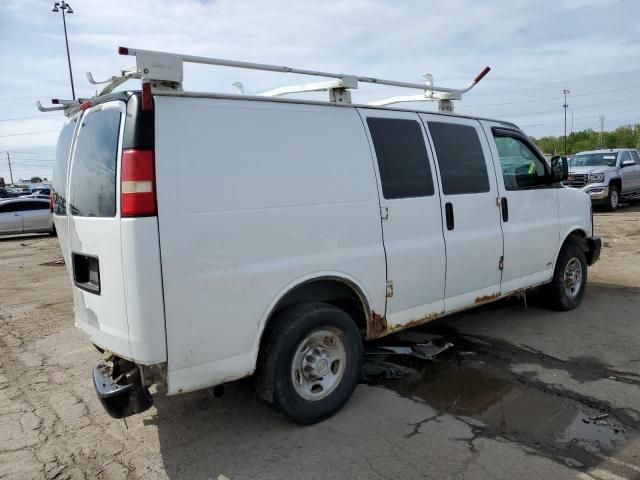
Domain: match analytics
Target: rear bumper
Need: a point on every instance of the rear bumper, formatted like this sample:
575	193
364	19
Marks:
594	244
120	399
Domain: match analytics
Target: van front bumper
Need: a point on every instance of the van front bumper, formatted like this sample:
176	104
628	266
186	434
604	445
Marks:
120	399
594	244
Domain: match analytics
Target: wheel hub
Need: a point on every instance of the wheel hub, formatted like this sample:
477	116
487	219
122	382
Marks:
318	364
573	277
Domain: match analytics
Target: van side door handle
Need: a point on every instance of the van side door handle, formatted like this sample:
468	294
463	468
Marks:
504	207
448	214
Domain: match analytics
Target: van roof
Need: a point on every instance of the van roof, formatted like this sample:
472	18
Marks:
125	95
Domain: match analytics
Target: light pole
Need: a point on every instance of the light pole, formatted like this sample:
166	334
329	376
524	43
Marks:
65	8
565	119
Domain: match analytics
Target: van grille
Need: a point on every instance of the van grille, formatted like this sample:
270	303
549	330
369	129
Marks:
576	180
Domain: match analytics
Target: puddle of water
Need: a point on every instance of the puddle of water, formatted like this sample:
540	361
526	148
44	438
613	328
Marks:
470	387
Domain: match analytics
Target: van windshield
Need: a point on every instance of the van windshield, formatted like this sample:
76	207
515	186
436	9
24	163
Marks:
93	174
607	159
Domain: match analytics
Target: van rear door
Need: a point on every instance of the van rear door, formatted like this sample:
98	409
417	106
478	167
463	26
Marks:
94	228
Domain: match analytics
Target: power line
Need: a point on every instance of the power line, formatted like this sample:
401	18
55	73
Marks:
535	100
28	133
27	148
579	118
30	116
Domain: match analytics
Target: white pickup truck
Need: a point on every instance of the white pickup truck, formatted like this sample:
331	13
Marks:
326	223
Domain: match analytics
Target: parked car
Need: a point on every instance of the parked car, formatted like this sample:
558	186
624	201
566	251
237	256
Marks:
25	215
606	175
324	224
35	195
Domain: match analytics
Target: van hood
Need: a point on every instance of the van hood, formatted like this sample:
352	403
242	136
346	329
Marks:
589	170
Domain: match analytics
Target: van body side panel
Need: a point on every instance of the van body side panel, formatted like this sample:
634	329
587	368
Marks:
254	197
143	289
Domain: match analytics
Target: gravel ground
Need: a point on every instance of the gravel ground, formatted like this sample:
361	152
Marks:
586	361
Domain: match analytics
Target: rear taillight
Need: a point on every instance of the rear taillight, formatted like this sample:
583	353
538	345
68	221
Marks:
51	200
138	184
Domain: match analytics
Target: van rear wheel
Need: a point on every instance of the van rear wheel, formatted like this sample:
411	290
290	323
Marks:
569	281
310	362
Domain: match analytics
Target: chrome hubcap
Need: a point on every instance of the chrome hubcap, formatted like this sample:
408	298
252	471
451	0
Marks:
319	364
573	277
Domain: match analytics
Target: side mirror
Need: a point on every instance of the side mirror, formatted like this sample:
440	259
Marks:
627	163
559	169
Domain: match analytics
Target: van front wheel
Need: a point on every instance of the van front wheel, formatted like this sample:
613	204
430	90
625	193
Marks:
569	281
310	362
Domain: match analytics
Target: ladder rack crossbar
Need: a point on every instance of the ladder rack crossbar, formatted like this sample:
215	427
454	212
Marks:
282	69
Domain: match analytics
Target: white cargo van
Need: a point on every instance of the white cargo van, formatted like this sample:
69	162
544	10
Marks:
324	224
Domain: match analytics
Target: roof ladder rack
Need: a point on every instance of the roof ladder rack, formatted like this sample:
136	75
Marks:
164	72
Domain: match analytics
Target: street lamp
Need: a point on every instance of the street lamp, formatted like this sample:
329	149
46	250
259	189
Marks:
65	7
565	120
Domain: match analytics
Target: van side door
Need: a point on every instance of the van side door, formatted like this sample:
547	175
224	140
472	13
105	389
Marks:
410	212
472	232
529	208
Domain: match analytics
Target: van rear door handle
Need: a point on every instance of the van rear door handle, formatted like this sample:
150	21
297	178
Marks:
448	213
504	207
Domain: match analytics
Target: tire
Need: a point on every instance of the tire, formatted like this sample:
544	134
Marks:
53	231
309	362
565	292
613	199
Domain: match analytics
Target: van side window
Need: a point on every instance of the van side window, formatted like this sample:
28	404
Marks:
93	173
521	167
462	165
402	158
635	156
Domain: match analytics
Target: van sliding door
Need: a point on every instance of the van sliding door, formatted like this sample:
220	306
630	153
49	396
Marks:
412	229
472	230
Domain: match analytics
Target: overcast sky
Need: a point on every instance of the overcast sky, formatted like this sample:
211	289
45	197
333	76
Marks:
535	50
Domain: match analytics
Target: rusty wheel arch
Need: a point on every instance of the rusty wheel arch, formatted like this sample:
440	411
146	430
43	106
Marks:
338	291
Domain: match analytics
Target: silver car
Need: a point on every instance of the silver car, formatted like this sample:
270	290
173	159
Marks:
25	215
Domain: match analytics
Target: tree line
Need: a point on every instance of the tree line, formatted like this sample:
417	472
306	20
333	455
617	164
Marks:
627	136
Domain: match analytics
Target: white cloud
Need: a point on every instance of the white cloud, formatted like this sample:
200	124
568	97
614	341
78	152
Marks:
535	49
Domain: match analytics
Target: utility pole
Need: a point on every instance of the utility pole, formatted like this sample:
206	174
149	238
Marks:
565	91
65	7
10	171
601	134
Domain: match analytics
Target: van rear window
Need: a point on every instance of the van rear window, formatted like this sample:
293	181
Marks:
93	175
59	180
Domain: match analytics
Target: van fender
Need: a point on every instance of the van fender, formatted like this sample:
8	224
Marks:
343	277
580	229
